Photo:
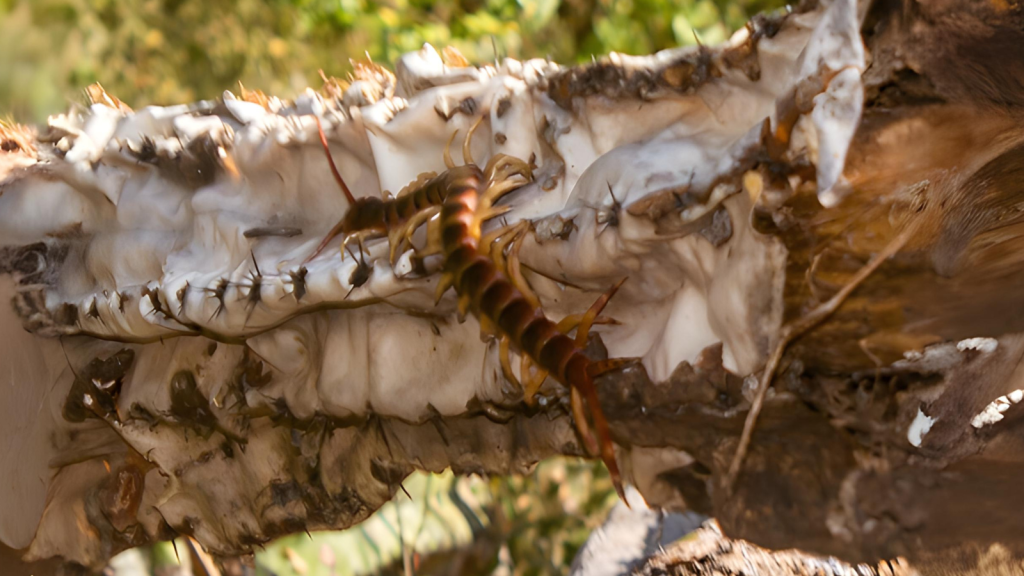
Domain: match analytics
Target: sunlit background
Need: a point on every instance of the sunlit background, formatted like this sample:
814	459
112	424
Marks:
175	51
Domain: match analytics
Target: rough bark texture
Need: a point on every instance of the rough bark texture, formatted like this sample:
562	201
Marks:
185	374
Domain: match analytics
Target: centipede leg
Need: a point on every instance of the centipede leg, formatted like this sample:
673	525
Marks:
463	307
360	239
583	331
448	162
579	414
582	335
325	242
344	245
504	356
610	365
573	320
402	237
434	243
494	245
487	328
515	271
489	240
511	265
492	194
531	382
489	213
502	166
467	156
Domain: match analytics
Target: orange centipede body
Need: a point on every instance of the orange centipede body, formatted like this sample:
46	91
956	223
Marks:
489	294
482	287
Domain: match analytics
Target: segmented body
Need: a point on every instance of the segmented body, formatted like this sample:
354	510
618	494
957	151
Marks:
465	195
486	291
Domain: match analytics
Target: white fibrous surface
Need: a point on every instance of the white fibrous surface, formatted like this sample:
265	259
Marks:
142	218
919	427
995	411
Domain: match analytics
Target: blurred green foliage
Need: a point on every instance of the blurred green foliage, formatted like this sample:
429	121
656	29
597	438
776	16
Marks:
436	524
531	526
175	51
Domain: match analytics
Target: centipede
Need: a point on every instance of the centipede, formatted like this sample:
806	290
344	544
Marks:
505	309
463	197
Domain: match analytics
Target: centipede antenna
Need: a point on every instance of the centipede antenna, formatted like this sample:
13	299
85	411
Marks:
330	160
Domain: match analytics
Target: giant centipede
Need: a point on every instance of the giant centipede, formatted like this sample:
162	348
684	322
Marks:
486	291
465	195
